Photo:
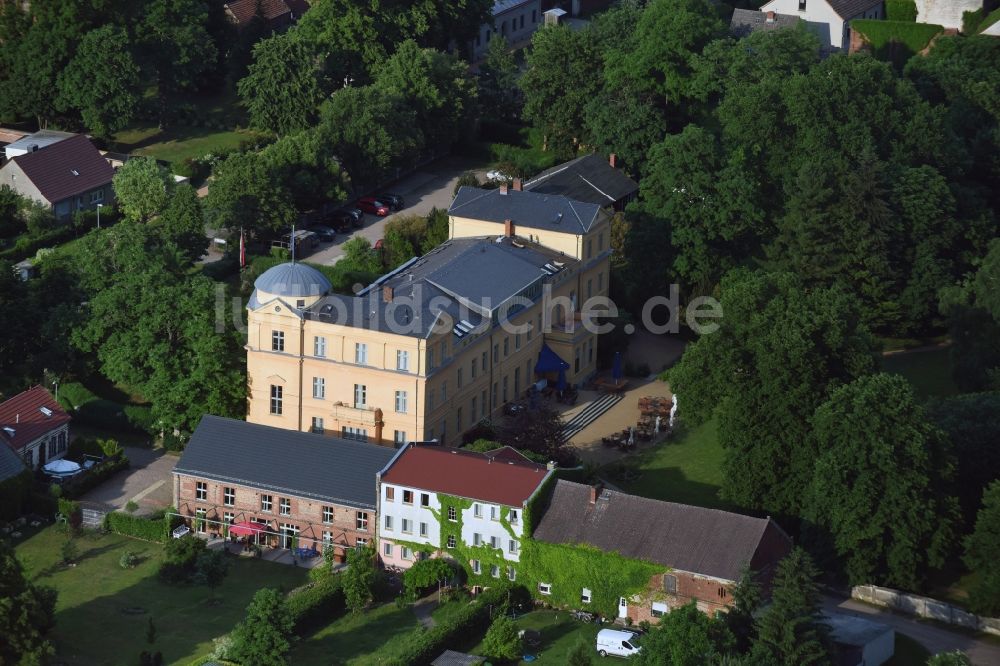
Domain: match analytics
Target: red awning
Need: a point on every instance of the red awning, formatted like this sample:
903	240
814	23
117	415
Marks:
247	529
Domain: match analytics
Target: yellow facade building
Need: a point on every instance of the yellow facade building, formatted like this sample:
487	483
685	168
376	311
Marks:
443	341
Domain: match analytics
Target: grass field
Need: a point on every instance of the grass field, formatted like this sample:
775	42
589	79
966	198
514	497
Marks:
560	634
686	470
92	625
175	144
928	371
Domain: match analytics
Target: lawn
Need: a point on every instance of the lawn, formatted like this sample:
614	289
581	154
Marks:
92	625
177	143
353	639
928	371
687	470
560	634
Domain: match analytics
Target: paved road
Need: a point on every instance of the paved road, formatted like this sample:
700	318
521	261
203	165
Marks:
932	636
147	482
431	187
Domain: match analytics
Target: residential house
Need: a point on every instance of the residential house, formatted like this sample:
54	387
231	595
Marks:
11	465
303	489
460	504
576	7
702	551
946	13
513	20
590	179
830	19
34	425
32	142
67	176
276	14
746	21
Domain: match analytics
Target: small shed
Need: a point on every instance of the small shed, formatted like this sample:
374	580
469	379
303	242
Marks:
25	269
453	658
554	16
863	642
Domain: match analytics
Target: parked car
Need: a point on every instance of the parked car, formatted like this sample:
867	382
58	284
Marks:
357	216
373	206
394	201
617	643
324	233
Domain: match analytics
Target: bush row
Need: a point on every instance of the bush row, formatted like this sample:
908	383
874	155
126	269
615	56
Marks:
421	647
901	10
26	246
147	529
915	36
316	604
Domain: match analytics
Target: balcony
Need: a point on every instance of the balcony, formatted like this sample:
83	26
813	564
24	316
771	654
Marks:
364	415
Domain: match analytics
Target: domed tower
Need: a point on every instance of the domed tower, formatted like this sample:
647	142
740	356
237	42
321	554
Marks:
297	284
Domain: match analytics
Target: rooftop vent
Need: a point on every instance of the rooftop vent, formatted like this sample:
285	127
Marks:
559	218
46	411
74	172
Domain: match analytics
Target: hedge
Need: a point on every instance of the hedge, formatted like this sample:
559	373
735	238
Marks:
915	36
156	530
79	485
901	10
316	604
26	246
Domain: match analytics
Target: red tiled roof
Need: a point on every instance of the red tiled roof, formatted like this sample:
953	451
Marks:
66	168
477	476
243	11
23	415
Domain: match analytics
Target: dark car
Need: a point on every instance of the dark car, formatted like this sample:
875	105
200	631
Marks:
393	201
373	206
356	214
324	233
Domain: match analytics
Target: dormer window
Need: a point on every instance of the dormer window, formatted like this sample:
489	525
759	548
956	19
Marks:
74	172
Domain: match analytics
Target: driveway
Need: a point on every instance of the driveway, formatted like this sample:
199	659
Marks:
431	187
933	636
147	482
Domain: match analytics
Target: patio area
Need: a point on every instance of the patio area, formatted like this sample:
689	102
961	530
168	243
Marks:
266	553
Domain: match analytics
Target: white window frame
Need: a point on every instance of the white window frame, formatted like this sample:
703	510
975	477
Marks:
476	567
361	521
545	588
277	341
319	346
200	491
361	353
586	596
401	400
284	506
267	503
328	515
360	391
402	360
228	496
319	388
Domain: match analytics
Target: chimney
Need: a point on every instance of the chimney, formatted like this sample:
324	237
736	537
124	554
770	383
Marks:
17	419
387	294
613	160
503	189
770	17
517	185
595	492
508	228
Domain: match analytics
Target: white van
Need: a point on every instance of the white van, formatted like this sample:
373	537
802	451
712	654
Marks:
618	643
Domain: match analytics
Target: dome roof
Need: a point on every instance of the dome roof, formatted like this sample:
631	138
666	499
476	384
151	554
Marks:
292	279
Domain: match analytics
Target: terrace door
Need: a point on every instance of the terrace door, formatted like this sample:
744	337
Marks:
622	607
287	536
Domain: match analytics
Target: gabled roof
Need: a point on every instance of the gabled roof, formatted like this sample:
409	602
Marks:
850	8
10	463
709	542
243	11
746	21
495	477
533	210
65	169
300	464
590	179
28	416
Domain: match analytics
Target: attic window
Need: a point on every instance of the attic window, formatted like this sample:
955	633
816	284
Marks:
46	411
74	172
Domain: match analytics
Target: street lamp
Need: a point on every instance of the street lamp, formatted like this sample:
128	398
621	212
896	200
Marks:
99	206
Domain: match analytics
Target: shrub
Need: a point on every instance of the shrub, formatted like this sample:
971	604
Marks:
901	10
501	641
138	527
181	558
69	551
70	510
972	20
914	36
316	604
128	560
425	574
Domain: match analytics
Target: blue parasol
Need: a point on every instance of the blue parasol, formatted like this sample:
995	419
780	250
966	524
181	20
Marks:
616	367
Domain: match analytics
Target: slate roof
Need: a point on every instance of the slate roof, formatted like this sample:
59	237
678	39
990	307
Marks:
499	479
850	8
65	169
22	420
41	138
688	538
533	210
590	179
453	658
300	464
292	279
746	21
500	6
243	11
10	463
465	279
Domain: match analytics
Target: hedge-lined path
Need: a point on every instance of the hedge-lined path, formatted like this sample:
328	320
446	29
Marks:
146	481
423	608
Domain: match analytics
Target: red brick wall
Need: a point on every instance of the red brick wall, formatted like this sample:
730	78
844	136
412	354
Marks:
305	514
710	594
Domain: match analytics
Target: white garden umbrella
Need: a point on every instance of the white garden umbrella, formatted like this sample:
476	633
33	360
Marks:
62	467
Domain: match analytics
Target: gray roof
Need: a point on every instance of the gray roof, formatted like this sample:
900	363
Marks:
292	279
847	9
453	658
10	463
532	210
689	538
746	21
40	139
463	279
300	464
852	630
590	179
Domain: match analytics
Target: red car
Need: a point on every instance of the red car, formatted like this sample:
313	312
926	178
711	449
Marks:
374	206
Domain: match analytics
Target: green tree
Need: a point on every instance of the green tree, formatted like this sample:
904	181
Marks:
245	193
956	658
973	311
183	223
283	89
790	631
498	80
501	641
437	229
210	570
102	82
397	249
27	614
307	167
684	637
262	637
779	351
360	256
142	187
580	655
879	482
982	553
360	578
11	204
746	596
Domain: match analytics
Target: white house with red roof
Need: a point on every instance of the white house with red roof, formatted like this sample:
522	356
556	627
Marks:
435	499
34	425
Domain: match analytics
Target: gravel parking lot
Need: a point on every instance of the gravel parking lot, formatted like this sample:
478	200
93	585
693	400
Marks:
147	482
